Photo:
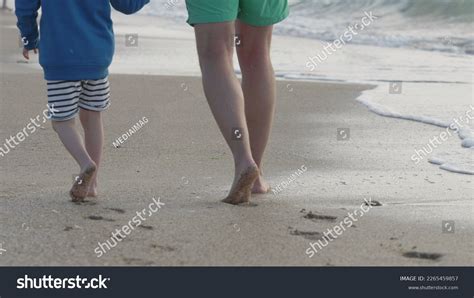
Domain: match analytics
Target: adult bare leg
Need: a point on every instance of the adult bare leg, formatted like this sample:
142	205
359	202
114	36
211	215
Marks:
258	84
225	98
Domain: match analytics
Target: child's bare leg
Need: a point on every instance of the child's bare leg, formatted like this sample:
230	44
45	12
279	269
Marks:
94	139
71	139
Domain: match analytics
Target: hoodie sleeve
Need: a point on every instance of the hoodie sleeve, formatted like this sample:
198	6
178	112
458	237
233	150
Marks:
27	13
128	6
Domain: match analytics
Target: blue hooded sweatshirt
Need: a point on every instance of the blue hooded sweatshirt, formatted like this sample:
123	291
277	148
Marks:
77	38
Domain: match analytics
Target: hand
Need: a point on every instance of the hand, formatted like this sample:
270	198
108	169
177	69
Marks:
26	53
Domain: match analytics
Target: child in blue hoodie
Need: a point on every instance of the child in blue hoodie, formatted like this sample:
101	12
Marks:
76	46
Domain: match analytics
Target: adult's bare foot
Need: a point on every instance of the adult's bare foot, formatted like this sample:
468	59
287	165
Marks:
241	190
82	183
260	186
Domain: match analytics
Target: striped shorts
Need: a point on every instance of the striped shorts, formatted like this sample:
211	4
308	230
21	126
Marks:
66	97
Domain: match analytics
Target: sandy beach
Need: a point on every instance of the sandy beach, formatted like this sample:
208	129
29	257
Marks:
180	157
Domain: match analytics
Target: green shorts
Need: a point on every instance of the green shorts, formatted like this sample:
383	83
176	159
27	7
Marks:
251	12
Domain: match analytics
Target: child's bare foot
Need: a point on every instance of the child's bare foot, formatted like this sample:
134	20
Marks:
260	186
80	188
241	190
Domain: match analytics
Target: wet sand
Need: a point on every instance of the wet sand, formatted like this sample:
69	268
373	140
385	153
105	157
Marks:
180	157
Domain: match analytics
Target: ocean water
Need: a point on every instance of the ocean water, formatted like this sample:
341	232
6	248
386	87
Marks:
432	25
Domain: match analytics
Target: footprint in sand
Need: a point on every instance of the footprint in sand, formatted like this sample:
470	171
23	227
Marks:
163	247
305	234
98	217
317	217
422	255
118	210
